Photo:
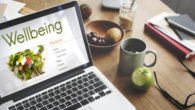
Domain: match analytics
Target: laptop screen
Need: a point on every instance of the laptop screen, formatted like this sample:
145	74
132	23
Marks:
39	49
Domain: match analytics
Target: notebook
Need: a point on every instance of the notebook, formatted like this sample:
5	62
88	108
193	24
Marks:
159	29
183	26
45	63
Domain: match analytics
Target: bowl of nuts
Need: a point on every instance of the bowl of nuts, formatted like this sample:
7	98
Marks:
103	34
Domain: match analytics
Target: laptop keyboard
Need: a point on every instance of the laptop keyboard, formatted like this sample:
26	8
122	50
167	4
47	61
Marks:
67	96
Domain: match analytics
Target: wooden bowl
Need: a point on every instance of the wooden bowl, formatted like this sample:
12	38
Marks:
100	27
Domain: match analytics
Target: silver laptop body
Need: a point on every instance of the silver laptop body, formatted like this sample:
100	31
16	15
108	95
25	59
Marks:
45	63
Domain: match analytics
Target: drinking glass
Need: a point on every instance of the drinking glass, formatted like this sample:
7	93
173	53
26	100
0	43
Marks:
127	14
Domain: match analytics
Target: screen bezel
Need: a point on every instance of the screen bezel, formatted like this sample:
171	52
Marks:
41	85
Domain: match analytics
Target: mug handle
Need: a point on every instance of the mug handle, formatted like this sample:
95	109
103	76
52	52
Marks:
155	58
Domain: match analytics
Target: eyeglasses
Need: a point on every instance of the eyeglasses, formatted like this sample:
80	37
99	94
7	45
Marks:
190	71
174	101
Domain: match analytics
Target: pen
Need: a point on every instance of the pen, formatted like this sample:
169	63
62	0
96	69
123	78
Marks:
181	27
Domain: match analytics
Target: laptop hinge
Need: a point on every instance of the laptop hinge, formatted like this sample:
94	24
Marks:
6	104
1	101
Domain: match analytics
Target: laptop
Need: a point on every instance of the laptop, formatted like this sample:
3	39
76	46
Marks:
45	64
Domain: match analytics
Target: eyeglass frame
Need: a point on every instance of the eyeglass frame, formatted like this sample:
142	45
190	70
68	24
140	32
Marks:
170	98
189	71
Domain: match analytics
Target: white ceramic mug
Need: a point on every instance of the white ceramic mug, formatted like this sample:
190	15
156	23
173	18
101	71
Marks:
132	55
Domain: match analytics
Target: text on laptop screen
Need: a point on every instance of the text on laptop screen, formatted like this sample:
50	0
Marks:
39	49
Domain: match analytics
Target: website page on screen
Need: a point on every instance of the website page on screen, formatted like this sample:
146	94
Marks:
39	49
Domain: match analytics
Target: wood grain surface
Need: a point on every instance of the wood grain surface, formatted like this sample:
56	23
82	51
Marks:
171	74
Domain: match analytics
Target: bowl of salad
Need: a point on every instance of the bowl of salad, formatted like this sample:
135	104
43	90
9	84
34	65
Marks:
27	64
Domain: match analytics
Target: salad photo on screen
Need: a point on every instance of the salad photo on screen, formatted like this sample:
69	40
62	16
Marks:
27	64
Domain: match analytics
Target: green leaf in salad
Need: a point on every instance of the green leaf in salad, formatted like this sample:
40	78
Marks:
33	64
27	76
27	72
19	74
38	64
41	48
11	60
20	58
26	52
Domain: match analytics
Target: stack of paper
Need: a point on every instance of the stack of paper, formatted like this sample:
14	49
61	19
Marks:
3	6
12	10
159	28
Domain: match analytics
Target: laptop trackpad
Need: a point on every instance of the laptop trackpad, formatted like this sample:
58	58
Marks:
87	108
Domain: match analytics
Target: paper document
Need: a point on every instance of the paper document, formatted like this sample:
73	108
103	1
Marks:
159	20
12	10
3	6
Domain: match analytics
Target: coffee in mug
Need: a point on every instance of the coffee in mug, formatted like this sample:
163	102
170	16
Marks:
132	55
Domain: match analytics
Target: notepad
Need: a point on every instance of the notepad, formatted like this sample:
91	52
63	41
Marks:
183	26
159	29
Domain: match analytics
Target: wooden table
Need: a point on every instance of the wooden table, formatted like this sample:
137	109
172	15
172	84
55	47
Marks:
171	74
